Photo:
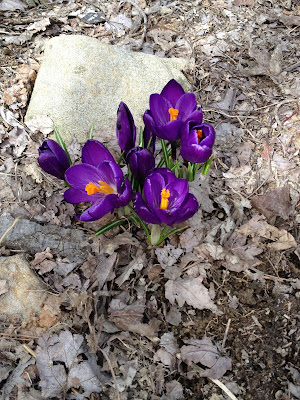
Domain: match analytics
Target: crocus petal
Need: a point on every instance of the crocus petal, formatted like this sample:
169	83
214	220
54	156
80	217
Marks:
209	134
125	129
149	131
140	161
94	153
59	153
76	196
189	207
113	172
159	107
154	184
53	159
178	191
186	105
196	153
172	92
143	211
49	163
170	131
196	116
80	175
99	209
125	194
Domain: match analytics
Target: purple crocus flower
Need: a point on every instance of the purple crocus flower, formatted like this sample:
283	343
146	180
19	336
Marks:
167	199
170	109
99	180
53	159
140	161
125	130
197	141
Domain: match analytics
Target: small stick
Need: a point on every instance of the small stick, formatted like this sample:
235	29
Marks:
112	373
217	382
226	333
28	349
9	229
143	15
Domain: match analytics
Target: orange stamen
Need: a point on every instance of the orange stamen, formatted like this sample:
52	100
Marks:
199	134
173	114
91	188
165	194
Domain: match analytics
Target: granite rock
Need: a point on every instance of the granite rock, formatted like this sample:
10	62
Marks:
82	81
26	292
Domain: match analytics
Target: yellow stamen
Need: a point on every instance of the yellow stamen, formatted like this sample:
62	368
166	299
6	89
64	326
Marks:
165	194
91	188
173	114
199	134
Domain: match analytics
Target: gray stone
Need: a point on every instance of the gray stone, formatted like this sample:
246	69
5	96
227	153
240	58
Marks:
82	81
33	237
26	292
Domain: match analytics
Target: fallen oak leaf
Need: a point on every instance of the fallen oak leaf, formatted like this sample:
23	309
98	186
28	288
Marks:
206	353
190	291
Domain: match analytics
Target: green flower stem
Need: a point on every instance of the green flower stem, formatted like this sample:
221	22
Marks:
141	138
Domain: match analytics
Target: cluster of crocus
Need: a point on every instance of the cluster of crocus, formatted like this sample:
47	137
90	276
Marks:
155	193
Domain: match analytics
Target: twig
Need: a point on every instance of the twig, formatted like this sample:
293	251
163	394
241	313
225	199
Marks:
28	349
144	17
112	373
217	382
9	229
226	333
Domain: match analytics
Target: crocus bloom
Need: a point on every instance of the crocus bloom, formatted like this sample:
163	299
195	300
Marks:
197	141
99	180
53	159
125	130
140	161
167	199
170	109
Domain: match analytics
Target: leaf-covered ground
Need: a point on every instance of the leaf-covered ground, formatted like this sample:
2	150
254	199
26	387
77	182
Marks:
219	303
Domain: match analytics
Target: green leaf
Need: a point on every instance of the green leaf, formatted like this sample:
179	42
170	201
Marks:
141	222
92	131
109	226
165	152
121	158
206	166
164	237
60	141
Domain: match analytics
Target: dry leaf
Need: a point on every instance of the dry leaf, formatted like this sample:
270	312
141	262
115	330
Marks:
190	291
257	226
204	352
59	366
128	317
174	390
274	202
